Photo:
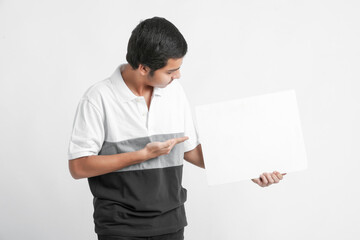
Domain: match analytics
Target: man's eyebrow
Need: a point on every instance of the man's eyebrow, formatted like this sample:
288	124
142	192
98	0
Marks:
173	70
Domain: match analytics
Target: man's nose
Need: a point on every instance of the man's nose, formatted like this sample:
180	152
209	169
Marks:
177	75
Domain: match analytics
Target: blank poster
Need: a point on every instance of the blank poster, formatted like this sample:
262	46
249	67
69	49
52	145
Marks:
243	138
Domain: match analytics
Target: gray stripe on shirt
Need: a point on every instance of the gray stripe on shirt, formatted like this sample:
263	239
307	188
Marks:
174	158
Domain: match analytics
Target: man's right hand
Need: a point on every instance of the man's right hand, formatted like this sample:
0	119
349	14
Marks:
155	149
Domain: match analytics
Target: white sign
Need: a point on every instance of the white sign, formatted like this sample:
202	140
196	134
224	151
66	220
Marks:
243	138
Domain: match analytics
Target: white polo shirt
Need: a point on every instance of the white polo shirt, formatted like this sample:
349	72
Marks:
144	199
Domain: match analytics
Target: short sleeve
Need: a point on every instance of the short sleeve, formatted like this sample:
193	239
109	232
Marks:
191	129
88	132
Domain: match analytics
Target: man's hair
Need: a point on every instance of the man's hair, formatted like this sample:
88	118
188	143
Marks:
153	42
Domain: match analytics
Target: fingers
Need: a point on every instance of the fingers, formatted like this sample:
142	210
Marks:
257	181
172	142
279	175
275	178
269	178
261	181
169	144
155	149
180	139
266	179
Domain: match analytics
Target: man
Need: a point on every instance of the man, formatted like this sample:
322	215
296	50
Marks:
130	135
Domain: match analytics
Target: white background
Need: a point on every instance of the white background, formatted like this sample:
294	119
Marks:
52	51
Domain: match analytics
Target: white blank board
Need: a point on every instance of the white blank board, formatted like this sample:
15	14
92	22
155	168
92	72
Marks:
243	138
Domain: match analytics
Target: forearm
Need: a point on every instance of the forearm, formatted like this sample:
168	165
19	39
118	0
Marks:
91	166
195	157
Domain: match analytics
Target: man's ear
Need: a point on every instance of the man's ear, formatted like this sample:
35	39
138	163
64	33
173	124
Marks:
144	70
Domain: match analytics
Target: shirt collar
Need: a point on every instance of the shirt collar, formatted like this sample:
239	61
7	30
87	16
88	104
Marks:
122	90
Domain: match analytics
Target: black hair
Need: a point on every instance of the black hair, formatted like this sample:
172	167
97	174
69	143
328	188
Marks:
153	42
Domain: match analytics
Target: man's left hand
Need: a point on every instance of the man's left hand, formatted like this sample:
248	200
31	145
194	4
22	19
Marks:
266	179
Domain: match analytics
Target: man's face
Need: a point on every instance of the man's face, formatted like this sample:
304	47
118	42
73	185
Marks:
164	76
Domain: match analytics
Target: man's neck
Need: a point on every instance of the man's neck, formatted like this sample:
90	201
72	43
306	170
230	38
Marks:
135	82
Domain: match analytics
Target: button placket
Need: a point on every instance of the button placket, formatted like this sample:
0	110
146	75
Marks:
150	113
142	107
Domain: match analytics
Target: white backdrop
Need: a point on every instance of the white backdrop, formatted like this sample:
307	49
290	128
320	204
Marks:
52	51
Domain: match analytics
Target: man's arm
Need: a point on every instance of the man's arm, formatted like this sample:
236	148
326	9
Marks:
195	157
90	166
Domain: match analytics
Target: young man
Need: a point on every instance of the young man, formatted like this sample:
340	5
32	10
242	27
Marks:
130	135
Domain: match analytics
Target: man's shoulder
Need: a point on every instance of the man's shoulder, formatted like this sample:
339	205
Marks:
98	91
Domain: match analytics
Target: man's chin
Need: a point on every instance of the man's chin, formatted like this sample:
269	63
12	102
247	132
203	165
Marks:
164	86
